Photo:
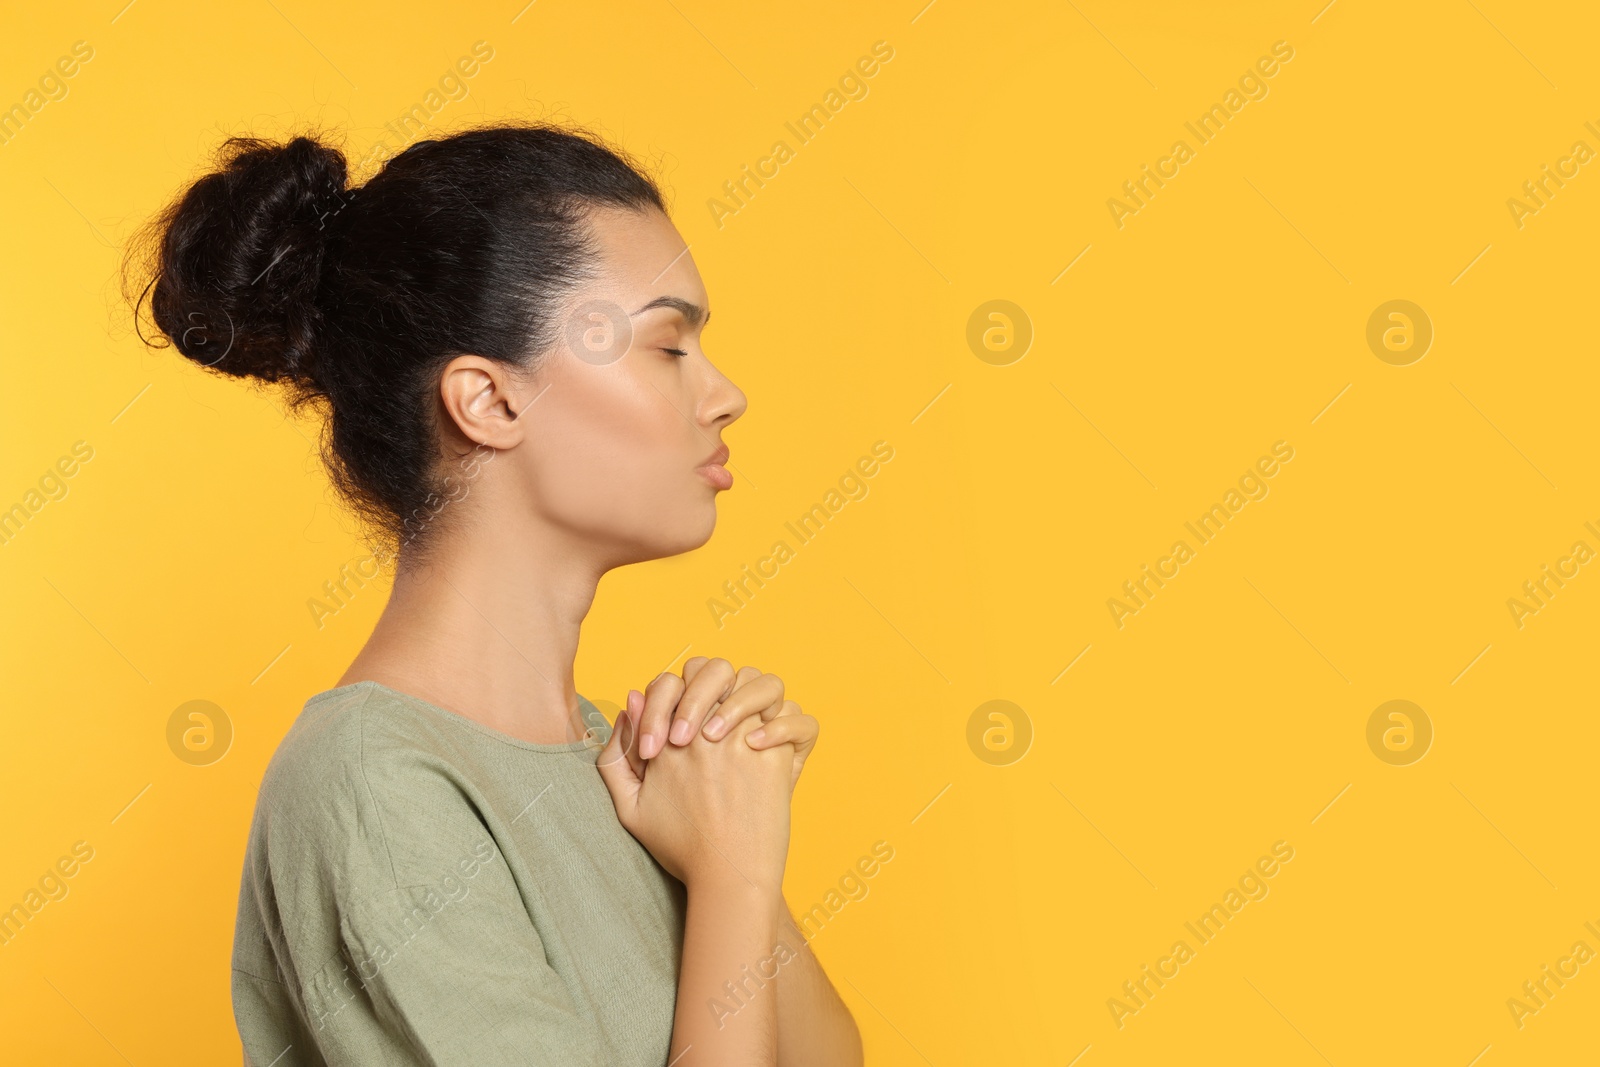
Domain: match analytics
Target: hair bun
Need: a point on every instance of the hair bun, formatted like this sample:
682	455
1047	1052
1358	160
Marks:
238	258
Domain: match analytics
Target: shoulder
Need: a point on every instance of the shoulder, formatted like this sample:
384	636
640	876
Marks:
341	735
359	769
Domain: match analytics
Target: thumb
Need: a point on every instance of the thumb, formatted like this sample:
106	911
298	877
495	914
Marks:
616	771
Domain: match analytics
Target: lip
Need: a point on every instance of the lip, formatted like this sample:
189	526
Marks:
713	471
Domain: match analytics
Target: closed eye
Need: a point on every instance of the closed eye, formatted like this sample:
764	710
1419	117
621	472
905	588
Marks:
675	351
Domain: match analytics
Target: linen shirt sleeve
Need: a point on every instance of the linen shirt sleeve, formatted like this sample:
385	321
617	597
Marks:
439	959
454	972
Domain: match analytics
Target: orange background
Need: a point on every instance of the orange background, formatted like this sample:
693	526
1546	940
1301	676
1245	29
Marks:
1228	313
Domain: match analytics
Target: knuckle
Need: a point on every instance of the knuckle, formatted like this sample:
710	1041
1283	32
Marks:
723	670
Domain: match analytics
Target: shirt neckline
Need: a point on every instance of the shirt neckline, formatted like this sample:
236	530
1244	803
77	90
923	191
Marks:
583	749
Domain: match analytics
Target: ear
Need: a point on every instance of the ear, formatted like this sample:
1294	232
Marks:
484	397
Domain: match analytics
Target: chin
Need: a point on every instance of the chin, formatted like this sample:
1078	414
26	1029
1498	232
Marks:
685	533
699	531
699	525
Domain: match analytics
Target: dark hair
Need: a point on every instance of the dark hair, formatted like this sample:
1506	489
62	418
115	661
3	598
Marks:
355	298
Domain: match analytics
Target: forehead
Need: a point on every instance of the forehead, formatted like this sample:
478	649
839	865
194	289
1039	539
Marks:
642	255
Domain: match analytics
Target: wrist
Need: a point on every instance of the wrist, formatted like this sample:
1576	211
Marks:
732	891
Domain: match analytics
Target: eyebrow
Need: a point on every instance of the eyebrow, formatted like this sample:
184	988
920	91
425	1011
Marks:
694	313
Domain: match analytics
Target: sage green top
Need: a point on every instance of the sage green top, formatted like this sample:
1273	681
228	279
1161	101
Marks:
421	889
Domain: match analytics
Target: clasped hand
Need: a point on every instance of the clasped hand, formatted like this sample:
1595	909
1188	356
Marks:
701	770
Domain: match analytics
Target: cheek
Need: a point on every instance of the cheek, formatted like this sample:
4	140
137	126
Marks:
614	453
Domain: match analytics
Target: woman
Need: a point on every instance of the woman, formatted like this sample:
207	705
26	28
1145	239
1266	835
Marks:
454	858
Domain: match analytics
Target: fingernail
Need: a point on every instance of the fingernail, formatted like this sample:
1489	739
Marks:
715	727
649	745
755	735
681	732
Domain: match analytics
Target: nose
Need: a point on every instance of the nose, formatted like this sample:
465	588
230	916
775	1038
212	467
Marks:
722	402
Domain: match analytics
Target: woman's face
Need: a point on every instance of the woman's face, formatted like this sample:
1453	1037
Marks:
626	410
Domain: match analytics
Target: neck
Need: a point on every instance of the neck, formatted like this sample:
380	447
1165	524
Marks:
488	628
